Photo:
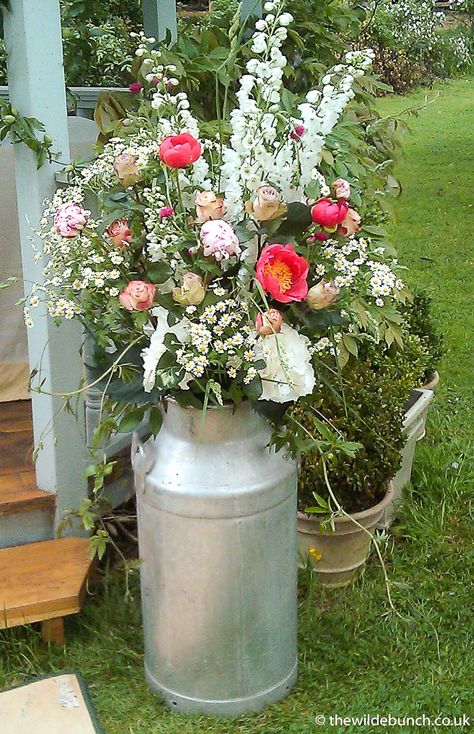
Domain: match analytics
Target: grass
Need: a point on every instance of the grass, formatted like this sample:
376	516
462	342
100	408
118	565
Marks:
355	658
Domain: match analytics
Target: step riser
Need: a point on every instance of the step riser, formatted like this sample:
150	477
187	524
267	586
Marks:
19	528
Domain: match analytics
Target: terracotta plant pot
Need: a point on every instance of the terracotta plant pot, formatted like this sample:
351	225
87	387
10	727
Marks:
343	552
432	383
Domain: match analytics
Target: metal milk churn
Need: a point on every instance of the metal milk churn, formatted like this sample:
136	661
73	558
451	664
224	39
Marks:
217	537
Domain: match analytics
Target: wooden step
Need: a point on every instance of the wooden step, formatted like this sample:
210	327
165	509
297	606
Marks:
43	581
19	493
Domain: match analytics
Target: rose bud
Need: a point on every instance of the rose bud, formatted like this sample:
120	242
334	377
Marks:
208	206
135	87
322	295
329	213
137	295
341	189
70	219
219	240
350	224
119	232
266	205
166	212
269	322
297	132
180	151
125	166
192	291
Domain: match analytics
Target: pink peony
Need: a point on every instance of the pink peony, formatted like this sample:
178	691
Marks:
137	295
219	239
70	219
269	322
119	232
208	206
350	224
341	188
282	273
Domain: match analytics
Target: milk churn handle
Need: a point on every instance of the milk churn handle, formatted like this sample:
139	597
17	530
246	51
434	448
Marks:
139	463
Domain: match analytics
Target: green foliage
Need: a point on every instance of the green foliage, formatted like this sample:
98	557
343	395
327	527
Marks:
368	410
421	322
412	46
26	130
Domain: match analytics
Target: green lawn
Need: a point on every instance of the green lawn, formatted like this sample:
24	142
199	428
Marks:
355	659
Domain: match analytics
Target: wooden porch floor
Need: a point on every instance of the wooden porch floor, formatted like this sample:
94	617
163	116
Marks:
18	489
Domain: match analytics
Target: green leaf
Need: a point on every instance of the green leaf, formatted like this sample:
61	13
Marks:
159	272
350	344
131	419
254	389
155	419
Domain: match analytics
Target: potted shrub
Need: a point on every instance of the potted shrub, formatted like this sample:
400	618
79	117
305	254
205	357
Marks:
368	410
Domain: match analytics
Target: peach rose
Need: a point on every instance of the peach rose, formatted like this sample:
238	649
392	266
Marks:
350	224
266	205
192	291
269	322
119	232
322	295
341	188
208	206
137	295
125	166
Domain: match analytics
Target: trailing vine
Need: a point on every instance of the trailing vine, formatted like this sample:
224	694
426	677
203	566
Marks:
27	130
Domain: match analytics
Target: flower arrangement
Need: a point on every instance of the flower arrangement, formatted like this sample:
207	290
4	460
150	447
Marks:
213	261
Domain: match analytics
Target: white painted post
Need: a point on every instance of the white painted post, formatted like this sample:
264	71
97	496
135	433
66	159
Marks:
37	89
250	7
159	16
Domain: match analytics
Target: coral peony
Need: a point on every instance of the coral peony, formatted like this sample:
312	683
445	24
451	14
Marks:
180	151
329	213
282	273
137	295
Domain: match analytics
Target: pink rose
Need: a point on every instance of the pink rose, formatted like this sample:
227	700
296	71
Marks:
219	239
341	188
266	205
166	212
125	166
208	206
119	232
137	295
322	295
269	322
70	219
350	224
